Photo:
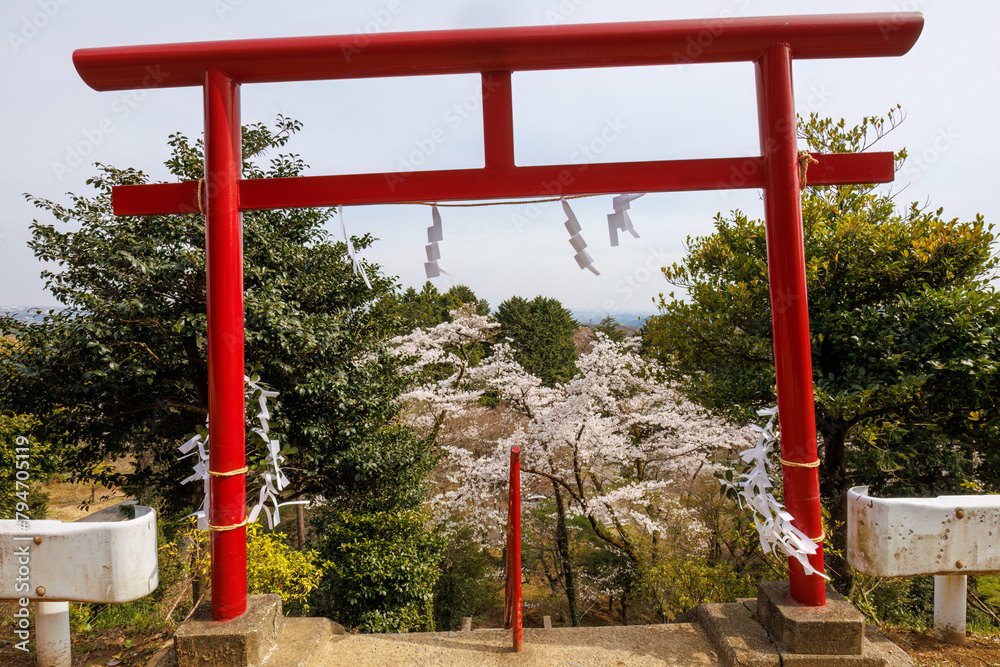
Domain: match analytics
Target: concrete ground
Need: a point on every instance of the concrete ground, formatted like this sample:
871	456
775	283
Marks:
729	635
680	645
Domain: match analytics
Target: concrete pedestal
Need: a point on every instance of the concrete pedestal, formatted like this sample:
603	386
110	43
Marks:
836	628
259	638
774	631
242	642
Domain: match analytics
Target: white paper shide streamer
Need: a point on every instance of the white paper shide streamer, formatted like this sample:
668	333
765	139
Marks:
582	257
271	479
773	522
435	234
358	267
199	441
619	220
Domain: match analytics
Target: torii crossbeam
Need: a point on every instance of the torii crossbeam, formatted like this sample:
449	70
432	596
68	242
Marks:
220	68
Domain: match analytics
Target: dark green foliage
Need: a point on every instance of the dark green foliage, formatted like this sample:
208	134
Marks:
121	371
466	586
609	327
384	567
905	602
541	331
904	326
429	307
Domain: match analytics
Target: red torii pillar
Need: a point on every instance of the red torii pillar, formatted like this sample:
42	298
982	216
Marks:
221	67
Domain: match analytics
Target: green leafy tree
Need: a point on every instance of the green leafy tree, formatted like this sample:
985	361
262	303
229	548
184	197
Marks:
903	326
429	307
25	464
120	372
468	585
609	327
541	331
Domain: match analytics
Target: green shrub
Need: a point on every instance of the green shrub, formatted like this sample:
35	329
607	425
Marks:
466	586
274	567
383	567
15	433
906	602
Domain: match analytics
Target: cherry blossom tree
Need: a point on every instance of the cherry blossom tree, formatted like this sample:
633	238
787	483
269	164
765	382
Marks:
617	445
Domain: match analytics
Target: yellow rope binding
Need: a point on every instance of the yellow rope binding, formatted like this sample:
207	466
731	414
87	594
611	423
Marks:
231	473
796	464
225	529
817	540
201	209
805	159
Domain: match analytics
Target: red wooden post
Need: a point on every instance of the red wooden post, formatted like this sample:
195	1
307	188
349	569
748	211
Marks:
224	275
786	270
514	548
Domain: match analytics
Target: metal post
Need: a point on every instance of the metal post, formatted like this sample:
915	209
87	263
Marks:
224	259
514	545
52	638
789	308
949	607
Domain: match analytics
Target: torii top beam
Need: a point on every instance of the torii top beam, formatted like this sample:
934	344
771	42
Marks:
495	53
494	49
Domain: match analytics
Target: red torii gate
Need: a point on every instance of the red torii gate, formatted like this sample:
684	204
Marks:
222	67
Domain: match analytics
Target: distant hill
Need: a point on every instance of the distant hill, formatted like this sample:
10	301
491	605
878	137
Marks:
24	313
630	318
585	334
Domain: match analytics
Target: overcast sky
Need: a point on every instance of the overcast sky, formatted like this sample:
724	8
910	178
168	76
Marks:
52	123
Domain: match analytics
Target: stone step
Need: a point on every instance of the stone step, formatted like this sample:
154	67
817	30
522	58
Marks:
303	642
741	641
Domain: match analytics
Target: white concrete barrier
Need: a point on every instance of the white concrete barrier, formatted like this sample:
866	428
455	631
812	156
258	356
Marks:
948	536
51	563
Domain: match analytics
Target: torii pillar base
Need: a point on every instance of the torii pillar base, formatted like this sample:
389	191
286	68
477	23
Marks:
260	637
244	641
836	628
775	631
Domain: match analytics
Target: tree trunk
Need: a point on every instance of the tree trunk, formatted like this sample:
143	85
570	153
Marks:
562	542
550	576
300	525
834	485
195	590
